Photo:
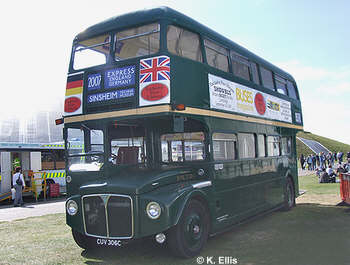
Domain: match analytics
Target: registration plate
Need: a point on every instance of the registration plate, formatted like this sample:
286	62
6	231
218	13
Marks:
108	242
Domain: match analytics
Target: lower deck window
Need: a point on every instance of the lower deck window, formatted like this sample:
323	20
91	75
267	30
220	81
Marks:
273	145
261	145
246	145
224	146
179	147
286	147
128	150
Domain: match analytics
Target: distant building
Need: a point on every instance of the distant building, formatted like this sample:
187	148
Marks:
39	128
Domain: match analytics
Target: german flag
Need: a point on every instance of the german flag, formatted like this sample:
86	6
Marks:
74	87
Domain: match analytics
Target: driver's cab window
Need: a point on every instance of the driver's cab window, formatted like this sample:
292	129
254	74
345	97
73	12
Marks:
85	149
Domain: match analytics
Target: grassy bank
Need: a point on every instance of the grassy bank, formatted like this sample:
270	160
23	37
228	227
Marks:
330	144
315	232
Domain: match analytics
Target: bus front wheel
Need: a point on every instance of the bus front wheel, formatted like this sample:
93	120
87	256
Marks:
188	237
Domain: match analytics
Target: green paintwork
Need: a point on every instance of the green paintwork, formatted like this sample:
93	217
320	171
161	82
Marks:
241	189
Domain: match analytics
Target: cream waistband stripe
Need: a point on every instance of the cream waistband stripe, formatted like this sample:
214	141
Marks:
168	109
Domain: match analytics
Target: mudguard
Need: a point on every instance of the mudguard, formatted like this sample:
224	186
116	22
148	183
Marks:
173	200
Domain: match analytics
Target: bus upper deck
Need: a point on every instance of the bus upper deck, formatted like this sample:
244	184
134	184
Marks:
163	59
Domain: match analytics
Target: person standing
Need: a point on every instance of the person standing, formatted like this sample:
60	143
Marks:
313	162
18	184
328	159
340	157
309	162
331	159
302	161
346	166
322	160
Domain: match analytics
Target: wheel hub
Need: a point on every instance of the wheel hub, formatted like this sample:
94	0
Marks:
193	229
196	229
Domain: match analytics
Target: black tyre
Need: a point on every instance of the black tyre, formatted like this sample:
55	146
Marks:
188	237
83	241
289	196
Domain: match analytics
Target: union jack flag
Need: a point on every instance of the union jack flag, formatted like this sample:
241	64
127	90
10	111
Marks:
155	69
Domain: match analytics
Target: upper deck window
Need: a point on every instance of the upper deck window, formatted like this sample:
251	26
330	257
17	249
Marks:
91	52
240	66
266	76
291	90
281	85
137	42
255	74
184	43
217	56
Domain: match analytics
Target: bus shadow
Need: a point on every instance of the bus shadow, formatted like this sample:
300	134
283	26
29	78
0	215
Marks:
307	226
137	252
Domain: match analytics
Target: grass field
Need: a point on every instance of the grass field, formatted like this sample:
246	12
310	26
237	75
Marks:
313	233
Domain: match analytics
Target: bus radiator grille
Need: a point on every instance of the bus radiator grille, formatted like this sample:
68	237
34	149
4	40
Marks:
107	215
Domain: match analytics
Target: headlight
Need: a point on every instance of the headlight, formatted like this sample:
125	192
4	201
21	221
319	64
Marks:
68	179
72	207
153	210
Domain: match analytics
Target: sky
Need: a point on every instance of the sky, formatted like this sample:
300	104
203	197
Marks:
307	38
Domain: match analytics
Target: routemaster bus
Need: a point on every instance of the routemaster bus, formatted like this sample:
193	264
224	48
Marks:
185	133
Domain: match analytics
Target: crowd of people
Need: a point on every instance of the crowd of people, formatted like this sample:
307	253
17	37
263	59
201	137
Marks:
323	164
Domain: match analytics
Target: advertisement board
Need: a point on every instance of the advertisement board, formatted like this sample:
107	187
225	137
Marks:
230	96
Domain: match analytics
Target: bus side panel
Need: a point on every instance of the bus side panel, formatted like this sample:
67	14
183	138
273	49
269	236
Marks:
244	188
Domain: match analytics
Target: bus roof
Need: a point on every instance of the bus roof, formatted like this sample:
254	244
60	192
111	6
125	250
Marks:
150	15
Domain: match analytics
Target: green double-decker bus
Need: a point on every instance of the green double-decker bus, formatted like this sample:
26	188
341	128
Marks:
174	132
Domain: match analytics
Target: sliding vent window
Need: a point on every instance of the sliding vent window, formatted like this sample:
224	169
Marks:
255	74
246	143
135	42
91	52
217	56
281	85
266	76
184	43
224	146
240	66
